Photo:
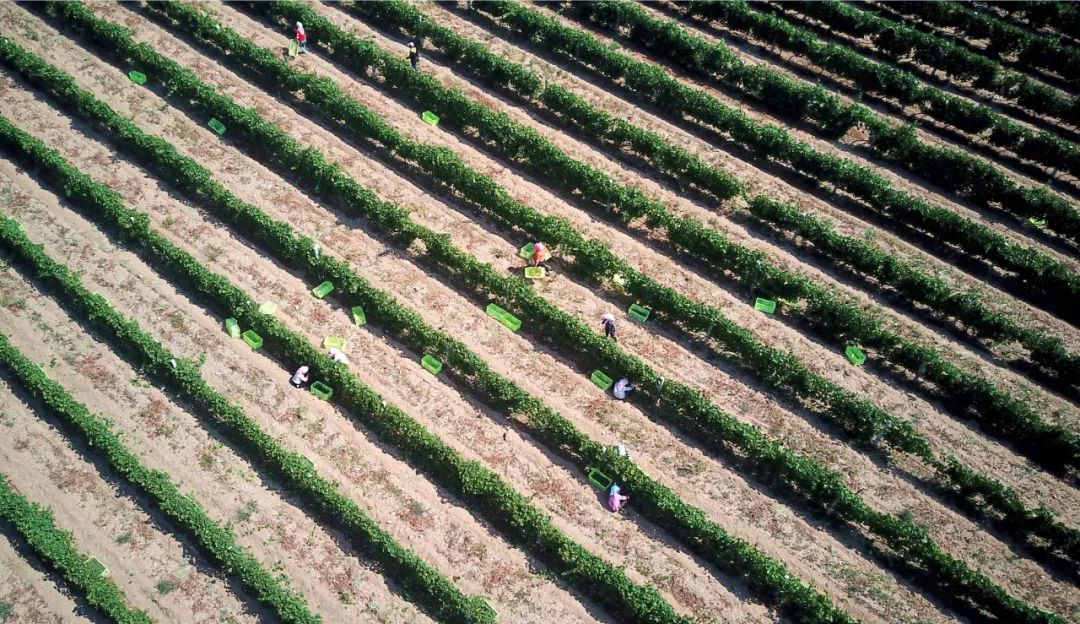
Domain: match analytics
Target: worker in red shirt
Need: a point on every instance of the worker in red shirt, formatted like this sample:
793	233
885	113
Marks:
540	255
301	37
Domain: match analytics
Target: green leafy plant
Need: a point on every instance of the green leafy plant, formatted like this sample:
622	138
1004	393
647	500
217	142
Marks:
58	549
314	172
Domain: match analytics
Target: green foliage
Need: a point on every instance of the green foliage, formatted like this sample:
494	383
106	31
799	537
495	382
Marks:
658	503
899	40
1034	51
1044	275
294	471
57	547
950	168
719	431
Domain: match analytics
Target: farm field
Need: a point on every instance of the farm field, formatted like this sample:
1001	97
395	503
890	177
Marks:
840	241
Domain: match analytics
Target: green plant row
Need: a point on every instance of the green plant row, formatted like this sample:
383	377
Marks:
1062	18
976	119
588	255
688	408
656	502
827	114
481	489
898	40
837	320
1033	51
1041	273
421	583
57	547
217	541
541	159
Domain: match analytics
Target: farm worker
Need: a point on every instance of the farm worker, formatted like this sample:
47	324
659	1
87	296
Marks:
540	254
622	451
300	377
338	356
616	500
414	55
301	37
622	388
608	321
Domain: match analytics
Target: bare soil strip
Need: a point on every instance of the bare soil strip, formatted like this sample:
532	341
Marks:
157	573
367	171
898	177
664	269
330	574
530	471
797	67
245	172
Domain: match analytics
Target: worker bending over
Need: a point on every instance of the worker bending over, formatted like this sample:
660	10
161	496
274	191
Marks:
300	377
616	499
623	388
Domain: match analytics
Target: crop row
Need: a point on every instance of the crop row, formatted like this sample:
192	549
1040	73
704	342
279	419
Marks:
958	172
1034	51
658	503
57	547
217	541
899	40
835	319
826	113
1060	17
422	583
591	260
689	409
905	279
656	86
481	489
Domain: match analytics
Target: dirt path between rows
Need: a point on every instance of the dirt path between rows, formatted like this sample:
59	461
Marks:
936	77
751	51
900	178
367	170
906	324
529	471
238	168
156	572
31	595
389	492
168	438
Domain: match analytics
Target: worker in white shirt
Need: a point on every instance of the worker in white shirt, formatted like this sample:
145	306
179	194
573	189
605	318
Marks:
623	388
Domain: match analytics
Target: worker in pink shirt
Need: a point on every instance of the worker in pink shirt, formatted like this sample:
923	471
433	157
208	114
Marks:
301	37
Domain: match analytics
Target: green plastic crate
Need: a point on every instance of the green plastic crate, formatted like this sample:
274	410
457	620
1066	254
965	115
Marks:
322	390
601	380
331	342
535	272
252	339
217	126
639	313
233	327
600	480
512	322
430	118
358	315
528	251
137	77
855	355
767	306
432	365
96	567
323	289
